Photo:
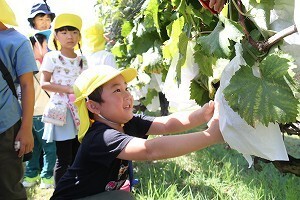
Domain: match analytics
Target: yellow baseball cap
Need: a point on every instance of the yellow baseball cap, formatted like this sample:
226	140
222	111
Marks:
62	20
7	16
87	82
93	37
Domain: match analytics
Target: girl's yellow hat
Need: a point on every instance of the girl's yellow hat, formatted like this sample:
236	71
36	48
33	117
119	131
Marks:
62	20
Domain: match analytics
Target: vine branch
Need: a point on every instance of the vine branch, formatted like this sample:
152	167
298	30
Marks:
264	46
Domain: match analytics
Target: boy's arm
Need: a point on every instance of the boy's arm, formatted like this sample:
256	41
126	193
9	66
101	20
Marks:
25	135
182	121
171	146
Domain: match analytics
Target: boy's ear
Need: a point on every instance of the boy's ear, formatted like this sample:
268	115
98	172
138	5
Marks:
93	106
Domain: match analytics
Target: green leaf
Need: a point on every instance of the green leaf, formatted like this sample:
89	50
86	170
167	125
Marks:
260	13
217	42
182	45
143	43
204	61
151	15
119	50
198	93
150	95
126	29
170	47
264	99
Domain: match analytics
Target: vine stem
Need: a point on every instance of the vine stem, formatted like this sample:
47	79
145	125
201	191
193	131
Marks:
264	46
278	36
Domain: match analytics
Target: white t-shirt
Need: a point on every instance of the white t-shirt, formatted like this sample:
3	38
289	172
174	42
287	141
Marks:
102	57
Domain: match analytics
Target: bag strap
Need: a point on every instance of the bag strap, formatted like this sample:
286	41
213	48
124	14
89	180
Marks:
40	84
8	78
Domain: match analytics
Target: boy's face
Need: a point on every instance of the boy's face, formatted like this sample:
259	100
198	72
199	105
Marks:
42	22
118	102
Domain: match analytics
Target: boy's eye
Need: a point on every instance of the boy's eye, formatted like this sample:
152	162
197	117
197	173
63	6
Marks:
117	90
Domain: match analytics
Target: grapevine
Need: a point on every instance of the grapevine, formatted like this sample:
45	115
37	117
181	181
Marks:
159	31
181	49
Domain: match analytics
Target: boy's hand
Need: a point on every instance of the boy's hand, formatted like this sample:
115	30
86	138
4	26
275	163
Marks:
25	138
214	6
214	127
207	110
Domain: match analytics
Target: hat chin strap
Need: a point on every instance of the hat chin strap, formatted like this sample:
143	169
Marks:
109	120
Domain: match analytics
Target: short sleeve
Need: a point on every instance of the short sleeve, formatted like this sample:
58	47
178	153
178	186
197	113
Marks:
139	125
48	64
24	59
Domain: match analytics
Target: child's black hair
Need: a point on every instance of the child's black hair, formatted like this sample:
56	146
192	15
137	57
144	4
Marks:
37	38
68	28
96	96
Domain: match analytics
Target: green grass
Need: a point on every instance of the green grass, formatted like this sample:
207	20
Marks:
210	174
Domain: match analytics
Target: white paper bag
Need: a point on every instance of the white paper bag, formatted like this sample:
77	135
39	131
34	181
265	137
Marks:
262	141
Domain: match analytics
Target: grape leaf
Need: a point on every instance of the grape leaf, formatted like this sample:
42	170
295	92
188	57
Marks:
126	29
170	47
264	99
151	15
182	45
204	61
217	42
198	93
150	95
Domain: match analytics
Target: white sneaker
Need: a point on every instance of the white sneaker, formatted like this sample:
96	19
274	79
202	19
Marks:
47	183
29	182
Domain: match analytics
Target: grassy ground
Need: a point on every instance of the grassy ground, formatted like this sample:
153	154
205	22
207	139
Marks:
213	173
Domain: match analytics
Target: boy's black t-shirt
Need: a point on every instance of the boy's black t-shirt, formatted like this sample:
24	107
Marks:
96	167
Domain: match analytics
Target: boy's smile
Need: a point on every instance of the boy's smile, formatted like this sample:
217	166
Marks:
118	102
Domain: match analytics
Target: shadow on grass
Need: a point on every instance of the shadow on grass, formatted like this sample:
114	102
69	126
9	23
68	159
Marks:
212	173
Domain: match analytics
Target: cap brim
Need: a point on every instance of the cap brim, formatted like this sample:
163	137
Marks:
32	15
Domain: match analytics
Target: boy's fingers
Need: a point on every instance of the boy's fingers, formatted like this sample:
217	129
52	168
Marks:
22	150
212	3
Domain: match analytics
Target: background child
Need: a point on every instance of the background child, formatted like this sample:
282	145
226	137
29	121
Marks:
40	17
43	155
17	57
94	43
60	68
33	169
118	135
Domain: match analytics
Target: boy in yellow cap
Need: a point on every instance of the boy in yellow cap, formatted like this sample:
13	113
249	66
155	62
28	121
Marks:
18	60
117	135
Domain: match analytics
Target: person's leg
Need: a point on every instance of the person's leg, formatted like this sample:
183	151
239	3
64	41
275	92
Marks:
49	155
75	146
115	195
32	168
11	168
49	159
63	158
